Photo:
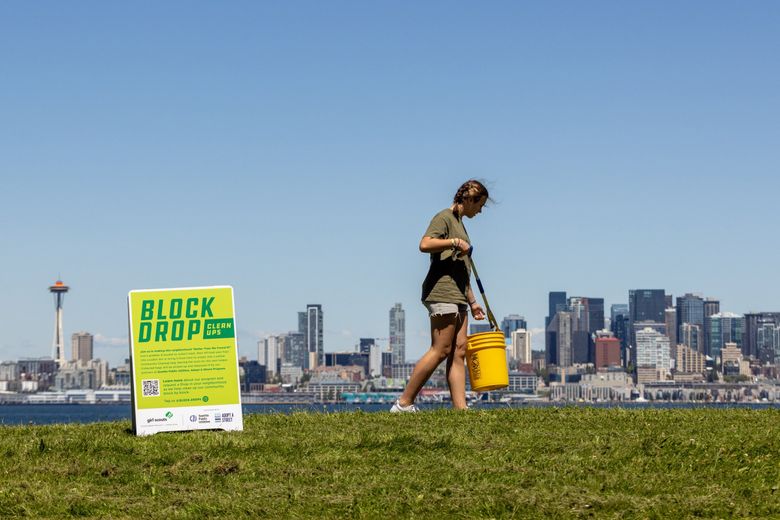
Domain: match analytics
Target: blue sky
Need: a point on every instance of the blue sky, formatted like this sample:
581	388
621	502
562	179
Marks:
297	150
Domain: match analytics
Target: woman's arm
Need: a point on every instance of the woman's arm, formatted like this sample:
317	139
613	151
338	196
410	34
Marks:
476	308
437	245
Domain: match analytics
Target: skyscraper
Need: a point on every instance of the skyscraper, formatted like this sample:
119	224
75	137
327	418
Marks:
512	323
645	305
557	302
559	340
754	321
690	309
619	318
671	329
398	334
521	346
313	332
652	350
692	336
82	346
722	328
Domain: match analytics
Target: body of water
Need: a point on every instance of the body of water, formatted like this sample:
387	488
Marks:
86	413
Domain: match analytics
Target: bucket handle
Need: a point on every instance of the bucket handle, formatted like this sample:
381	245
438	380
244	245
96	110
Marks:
491	318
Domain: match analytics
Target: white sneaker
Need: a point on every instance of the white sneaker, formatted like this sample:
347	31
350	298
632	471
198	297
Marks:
397	408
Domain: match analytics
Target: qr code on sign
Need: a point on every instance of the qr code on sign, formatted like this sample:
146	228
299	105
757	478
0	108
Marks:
151	387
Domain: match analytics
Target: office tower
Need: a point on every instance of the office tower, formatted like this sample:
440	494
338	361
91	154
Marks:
313	332
559	340
668	300
607	352
58	290
292	349
647	306
271	356
512	323
476	328
595	314
653	351
670	319
711	307
365	345
261	349
375	361
752	322
521	346
768	341
722	328
82	346
556	302
690	309
619	318
692	336
398	334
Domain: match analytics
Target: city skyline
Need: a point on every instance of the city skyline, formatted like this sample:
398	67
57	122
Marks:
299	151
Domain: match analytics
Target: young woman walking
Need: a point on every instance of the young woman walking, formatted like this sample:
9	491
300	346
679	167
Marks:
447	295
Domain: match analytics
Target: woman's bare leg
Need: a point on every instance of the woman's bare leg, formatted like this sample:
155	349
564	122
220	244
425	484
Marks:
456	365
442	340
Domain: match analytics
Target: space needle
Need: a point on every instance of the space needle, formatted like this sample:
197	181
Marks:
58	349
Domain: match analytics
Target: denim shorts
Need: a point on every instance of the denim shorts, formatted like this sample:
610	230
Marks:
440	309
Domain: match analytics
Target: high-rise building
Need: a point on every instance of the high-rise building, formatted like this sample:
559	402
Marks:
595	314
619	323
292	349
692	336
398	334
271	356
476	328
768	341
521	346
653	351
559	340
722	328
314	334
690	361
671	328
82	346
512	323
607	352
753	321
556	303
690	309
366	344
645	305
375	361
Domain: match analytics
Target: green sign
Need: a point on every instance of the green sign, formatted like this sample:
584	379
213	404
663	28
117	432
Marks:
184	359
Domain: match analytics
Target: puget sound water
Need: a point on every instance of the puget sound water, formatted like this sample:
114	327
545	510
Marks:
26	414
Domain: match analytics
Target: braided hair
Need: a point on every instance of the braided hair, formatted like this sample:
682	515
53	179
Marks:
472	189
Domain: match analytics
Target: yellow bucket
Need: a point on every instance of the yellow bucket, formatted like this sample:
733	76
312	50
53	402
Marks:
486	359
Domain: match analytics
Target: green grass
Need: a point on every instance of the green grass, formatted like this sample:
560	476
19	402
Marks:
547	462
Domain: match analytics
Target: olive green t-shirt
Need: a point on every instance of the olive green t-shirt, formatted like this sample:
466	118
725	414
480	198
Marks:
448	277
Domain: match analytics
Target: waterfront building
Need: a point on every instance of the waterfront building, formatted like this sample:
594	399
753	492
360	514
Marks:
37	374
251	375
9	371
523	382
398	334
402	371
521	346
653	352
364	347
82	346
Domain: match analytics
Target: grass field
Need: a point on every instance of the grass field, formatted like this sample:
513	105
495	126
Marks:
531	463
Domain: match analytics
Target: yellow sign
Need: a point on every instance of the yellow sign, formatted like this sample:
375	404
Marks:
184	360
